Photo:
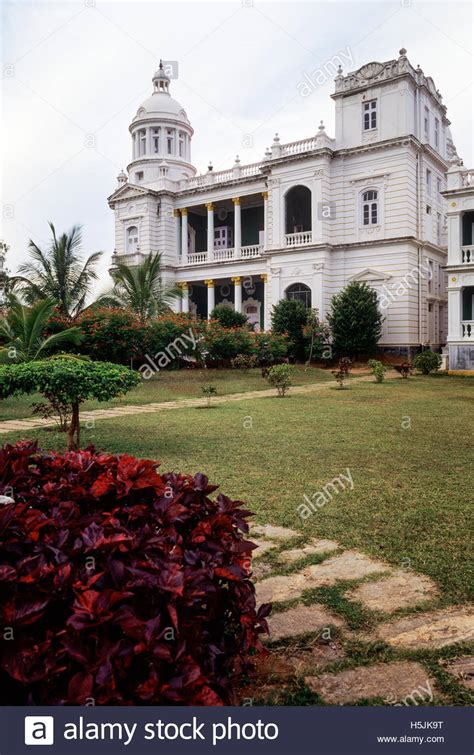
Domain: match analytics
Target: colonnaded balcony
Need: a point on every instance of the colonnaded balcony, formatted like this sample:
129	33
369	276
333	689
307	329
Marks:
222	230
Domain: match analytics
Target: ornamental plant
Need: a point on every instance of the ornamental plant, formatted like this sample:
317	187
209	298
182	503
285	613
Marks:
209	391
378	370
427	361
355	320
280	377
70	381
229	317
342	372
224	344
270	348
290	317
120	585
404	369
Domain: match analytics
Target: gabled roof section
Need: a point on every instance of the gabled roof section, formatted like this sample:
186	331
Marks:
370	276
130	191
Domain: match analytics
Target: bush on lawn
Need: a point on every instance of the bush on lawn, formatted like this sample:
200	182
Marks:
120	585
224	344
355	320
68	381
228	317
280	377
270	348
427	361
290	317
378	370
175	338
110	334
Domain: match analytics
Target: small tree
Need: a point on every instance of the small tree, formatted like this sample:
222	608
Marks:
342	372
209	391
70	381
290	316
378	370
317	335
427	362
355	320
228	317
280	377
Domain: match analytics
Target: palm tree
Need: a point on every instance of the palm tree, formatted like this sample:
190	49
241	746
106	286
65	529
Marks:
23	329
141	288
59	274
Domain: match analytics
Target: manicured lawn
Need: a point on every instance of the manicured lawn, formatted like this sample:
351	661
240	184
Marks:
412	497
171	385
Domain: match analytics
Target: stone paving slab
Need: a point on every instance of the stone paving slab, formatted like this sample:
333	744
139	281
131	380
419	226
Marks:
401	589
314	547
300	620
431	630
347	566
462	669
263	547
400	682
275	589
273	532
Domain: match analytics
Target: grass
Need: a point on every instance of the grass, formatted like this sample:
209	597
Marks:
412	498
172	385
408	445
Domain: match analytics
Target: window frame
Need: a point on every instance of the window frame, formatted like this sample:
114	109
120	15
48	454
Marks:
135	239
370	113
370	206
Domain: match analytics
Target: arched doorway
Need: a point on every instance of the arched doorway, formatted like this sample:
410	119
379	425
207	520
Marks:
298	210
300	292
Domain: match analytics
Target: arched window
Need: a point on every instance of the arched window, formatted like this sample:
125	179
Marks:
300	292
132	238
370	207
298	210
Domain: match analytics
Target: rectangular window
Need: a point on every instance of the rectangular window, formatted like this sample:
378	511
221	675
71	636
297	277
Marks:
169	142
156	140
427	123
139	176
428	182
428	209
142	136
181	144
370	115
436	133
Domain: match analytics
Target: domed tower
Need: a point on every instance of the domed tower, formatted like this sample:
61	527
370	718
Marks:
161	137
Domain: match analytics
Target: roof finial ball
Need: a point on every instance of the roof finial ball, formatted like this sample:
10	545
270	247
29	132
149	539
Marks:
321	126
402	52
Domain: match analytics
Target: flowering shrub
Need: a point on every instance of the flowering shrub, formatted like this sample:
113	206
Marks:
110	334
427	361
177	335
223	344
270	348
120	585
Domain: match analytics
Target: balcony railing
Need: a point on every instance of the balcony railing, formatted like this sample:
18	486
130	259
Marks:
467	255
299	239
222	255
467	327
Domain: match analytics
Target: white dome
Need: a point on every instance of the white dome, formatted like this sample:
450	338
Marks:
162	105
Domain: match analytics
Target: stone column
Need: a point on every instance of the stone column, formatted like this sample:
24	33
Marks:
266	309
237	281
184	296
148	141
265	219
210	297
454	314
317	289
178	232
210	231
184	232
237	228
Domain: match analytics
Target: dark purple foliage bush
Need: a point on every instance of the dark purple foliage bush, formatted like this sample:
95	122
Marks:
120	586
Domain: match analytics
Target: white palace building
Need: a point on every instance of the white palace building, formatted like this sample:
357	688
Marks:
312	216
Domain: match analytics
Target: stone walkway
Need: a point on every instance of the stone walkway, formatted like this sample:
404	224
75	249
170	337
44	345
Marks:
20	425
383	590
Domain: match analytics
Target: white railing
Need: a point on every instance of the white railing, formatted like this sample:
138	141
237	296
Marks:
255	250
221	176
132	260
195	259
468	330
299	239
467	255
223	254
295	148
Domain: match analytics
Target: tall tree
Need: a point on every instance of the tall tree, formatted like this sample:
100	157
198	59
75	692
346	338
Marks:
59	273
355	320
141	288
23	332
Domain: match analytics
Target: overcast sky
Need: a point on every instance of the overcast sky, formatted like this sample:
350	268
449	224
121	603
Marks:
74	74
